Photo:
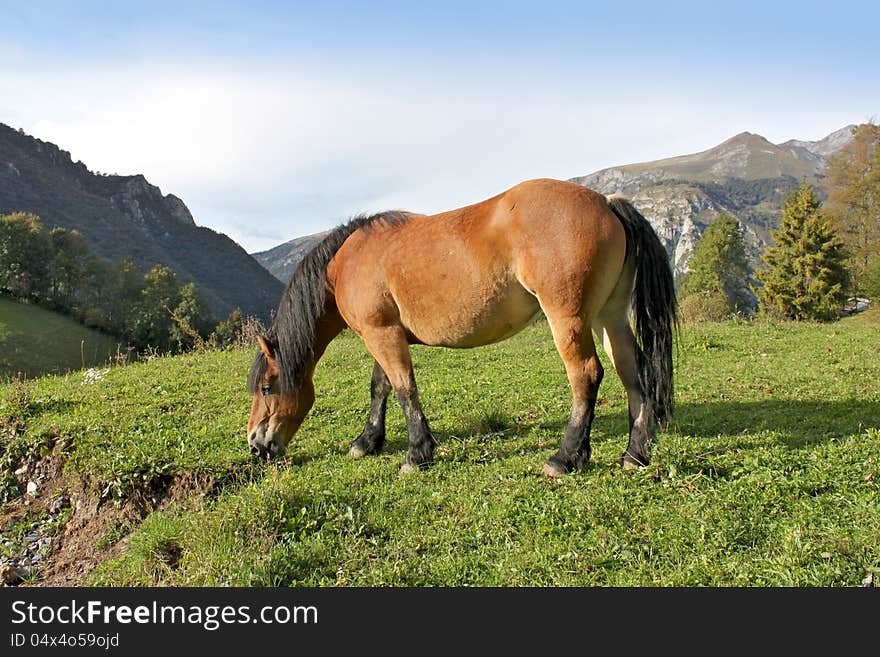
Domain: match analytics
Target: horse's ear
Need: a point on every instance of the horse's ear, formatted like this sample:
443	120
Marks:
267	348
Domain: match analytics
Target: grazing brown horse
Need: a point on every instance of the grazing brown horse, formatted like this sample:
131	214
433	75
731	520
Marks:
471	277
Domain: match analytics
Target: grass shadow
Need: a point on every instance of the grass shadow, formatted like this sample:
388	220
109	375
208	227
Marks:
799	422
492	432
296	459
51	405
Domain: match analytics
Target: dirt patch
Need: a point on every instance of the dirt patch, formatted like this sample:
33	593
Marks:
66	528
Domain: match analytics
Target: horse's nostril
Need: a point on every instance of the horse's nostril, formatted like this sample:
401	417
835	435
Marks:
255	450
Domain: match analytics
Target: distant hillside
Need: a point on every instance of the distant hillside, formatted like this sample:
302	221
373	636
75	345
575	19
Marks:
283	259
127	217
746	176
35	341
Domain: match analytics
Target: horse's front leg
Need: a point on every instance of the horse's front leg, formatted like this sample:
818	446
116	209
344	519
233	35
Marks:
373	436
389	346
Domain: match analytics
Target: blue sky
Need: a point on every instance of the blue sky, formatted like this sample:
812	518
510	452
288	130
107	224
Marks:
278	119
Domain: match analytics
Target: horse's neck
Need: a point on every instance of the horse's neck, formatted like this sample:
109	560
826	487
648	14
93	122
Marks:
328	326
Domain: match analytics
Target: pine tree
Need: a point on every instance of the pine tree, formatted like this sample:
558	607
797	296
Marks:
805	276
718	272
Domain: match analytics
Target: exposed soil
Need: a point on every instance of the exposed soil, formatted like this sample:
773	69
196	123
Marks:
74	527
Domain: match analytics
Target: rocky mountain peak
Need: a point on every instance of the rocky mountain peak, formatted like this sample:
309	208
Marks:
745	138
826	146
145	203
746	176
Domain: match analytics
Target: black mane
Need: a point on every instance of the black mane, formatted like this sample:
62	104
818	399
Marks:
294	330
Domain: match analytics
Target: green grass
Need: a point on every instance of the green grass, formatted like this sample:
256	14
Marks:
36	341
768	475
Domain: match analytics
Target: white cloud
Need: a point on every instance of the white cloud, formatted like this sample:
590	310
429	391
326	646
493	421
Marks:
269	155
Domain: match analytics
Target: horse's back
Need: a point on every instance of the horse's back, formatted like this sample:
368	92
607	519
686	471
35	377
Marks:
568	244
480	273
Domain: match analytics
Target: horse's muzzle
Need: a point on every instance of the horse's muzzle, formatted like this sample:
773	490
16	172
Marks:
263	446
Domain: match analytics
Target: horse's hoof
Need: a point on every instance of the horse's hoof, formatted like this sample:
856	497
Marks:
356	452
628	462
553	471
408	469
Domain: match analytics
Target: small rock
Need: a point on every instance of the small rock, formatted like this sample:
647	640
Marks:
869	580
21	470
32	488
9	576
33	537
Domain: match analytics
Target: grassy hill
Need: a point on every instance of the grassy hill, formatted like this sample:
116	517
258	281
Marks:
768	475
36	341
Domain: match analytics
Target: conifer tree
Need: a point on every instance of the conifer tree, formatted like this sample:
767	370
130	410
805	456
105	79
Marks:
718	270
805	277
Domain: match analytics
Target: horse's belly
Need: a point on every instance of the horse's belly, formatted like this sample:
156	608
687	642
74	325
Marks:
474	318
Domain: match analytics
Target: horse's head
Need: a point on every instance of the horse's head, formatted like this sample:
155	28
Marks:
276	414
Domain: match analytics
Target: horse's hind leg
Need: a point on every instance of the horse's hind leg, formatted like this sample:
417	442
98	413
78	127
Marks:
390	348
373	436
621	346
574	340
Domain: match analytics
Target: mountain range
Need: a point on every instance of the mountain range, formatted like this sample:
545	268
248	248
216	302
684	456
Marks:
281	260
746	176
127	217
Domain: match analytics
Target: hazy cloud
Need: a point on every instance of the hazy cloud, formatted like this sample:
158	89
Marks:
270	152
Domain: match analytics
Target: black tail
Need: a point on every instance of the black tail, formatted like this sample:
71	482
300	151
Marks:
654	308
